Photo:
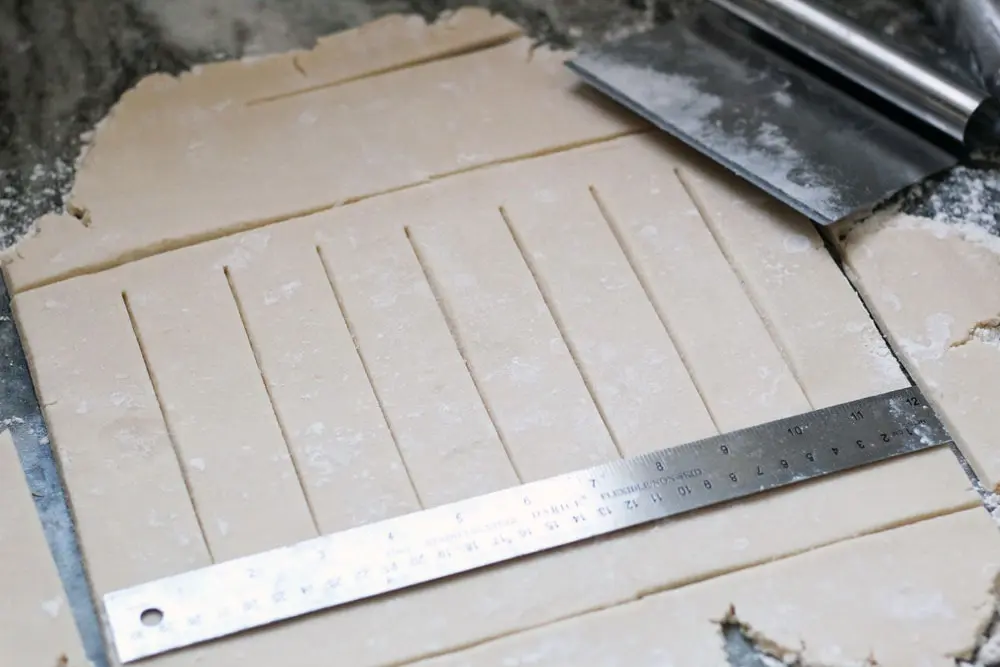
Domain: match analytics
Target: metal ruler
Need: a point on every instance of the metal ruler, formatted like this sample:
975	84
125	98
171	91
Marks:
378	558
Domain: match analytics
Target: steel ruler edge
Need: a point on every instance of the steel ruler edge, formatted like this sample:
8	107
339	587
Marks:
374	559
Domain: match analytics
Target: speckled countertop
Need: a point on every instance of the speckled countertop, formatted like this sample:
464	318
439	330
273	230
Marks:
63	64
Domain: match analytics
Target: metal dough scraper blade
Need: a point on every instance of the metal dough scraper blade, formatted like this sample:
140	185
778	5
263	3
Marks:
815	140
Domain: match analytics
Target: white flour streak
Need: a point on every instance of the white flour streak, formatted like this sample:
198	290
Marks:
934	342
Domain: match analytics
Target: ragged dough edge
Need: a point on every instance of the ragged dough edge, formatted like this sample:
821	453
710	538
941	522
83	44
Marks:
67	229
202	79
986	637
769	649
983	649
987	651
78	219
213	86
269	76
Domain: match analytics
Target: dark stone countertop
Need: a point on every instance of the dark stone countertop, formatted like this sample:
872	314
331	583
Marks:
63	64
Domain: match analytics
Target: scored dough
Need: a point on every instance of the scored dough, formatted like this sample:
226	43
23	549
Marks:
530	292
361	255
36	622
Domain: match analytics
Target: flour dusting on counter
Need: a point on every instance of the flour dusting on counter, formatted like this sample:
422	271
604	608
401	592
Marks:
965	195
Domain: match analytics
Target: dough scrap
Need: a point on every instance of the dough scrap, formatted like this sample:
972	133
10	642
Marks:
392	42
935	287
895	599
36	622
171	167
137	521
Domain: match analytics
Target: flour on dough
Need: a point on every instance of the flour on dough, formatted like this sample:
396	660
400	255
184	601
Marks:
306	310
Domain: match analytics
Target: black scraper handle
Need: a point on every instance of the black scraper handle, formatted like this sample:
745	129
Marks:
975	26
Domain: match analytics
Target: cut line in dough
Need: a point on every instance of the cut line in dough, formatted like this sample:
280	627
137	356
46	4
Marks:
444	433
169	167
507	279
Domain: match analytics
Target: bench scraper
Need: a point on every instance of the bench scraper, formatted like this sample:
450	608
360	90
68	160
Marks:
798	100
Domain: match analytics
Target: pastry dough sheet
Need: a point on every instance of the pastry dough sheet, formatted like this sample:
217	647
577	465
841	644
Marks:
448	340
418	264
36	622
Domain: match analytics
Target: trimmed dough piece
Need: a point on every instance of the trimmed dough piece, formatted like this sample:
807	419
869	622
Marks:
739	370
320	389
445	435
36	623
807	302
935	287
624	351
148	184
134	517
506	599
917	595
527	376
217	410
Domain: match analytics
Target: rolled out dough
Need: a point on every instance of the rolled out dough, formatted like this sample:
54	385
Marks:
36	622
455	381
497	285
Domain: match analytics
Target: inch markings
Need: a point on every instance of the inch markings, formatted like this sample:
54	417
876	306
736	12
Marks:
378	558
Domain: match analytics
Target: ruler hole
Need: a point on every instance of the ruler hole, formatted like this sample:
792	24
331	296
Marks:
151	617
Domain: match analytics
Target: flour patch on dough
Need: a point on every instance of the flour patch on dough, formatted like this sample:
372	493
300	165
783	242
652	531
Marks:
796	243
933	344
912	604
892	300
884	364
248	246
53	607
286	291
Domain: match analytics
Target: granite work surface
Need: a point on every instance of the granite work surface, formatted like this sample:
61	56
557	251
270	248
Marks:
64	63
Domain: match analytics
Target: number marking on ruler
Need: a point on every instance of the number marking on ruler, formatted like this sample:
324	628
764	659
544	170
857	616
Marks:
378	558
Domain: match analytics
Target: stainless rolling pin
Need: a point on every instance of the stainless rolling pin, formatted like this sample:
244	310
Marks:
967	115
975	26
